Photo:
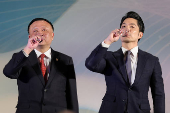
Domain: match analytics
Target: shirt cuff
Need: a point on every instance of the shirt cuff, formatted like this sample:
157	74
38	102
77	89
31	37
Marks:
105	45
25	53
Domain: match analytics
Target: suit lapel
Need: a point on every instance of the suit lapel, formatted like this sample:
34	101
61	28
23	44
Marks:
120	59
53	67
140	66
35	65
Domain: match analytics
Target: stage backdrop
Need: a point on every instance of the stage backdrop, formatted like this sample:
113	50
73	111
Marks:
80	25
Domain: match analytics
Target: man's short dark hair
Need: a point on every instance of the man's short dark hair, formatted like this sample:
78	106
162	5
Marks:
134	15
39	19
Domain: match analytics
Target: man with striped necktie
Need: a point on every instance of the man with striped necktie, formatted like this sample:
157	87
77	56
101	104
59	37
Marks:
129	72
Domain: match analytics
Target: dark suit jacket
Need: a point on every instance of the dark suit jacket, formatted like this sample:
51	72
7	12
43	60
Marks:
34	96
121	97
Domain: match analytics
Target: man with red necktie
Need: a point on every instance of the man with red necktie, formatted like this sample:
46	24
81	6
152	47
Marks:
46	78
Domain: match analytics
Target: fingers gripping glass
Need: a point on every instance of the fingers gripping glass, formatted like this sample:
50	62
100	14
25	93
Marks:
38	39
121	32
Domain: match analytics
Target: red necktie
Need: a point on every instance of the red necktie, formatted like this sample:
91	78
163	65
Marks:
43	67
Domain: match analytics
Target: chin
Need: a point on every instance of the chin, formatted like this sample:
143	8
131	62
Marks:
40	44
126	40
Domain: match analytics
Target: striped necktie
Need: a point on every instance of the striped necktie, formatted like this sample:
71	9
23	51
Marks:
128	65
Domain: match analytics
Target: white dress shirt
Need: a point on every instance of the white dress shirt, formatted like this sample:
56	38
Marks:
47	59
134	59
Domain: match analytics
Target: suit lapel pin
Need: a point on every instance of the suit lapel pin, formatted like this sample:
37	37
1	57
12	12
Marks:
56	59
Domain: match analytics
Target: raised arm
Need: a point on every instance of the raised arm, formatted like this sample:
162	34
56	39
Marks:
14	66
97	60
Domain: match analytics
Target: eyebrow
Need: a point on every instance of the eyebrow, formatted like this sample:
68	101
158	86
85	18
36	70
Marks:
41	27
130	24
35	28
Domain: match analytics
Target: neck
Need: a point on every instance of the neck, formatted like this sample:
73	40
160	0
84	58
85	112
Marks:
129	46
42	49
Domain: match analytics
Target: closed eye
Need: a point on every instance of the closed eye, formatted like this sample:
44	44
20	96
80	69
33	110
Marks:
132	26
35	31
123	26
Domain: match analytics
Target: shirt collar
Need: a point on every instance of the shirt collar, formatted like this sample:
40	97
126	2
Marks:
47	53
133	50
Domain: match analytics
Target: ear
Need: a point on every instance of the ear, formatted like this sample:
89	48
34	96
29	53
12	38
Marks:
140	35
52	35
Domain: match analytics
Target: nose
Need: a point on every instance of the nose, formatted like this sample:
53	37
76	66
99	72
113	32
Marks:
40	33
127	29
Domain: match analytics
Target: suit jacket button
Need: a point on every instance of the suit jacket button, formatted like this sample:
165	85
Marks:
129	89
45	90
